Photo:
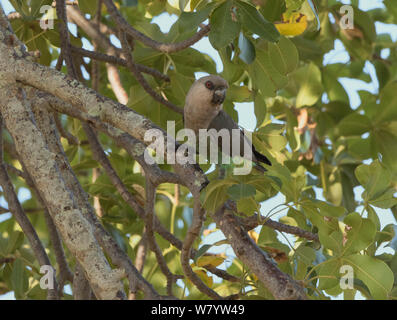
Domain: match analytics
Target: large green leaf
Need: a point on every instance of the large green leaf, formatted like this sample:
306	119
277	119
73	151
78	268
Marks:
215	194
387	109
284	55
255	22
240	191
224	25
265	77
376	275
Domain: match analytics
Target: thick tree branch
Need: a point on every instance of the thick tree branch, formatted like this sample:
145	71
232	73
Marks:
118	256
281	285
19	215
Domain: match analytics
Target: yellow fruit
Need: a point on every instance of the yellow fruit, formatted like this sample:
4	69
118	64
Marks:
294	26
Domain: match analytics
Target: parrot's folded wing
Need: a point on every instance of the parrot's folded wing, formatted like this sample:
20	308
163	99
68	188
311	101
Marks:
224	121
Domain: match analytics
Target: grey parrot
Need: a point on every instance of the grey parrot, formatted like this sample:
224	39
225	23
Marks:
203	110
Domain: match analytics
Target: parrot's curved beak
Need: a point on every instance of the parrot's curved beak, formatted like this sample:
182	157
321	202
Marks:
219	96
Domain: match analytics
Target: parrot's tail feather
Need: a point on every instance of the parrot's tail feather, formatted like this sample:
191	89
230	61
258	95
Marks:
260	168
260	157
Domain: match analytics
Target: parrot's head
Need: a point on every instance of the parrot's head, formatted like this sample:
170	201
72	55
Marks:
208	90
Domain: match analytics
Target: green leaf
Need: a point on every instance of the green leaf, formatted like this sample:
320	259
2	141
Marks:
334	89
375	178
393	242
326	226
271	136
262	183
21	7
19	279
36	5
240	191
305	254
333	241
260	109
265	77
284	55
248	206
328	210
180	85
360	148
268	239
190	20
387	109
354	124
376	275
255	22
88	6
216	195
309	78
385	143
329	274
385	200
360	234
224	25
238	94
15	241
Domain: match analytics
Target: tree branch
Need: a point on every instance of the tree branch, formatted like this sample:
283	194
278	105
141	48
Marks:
191	235
163	47
120	61
19	215
252	222
138	76
281	285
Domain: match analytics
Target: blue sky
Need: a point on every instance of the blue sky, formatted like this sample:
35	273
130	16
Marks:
246	110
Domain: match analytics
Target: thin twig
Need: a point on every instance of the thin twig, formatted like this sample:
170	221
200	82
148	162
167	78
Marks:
72	140
192	233
138	76
149	215
162	47
120	61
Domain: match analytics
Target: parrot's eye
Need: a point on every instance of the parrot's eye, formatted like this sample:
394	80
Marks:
209	85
